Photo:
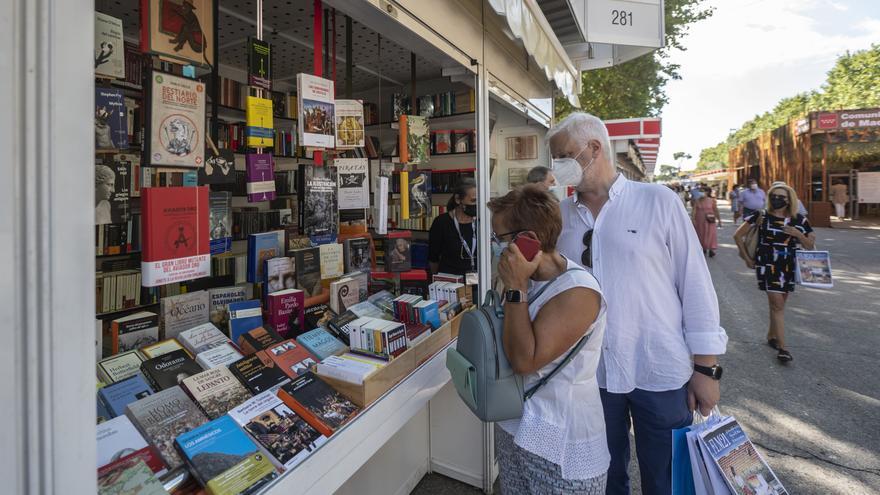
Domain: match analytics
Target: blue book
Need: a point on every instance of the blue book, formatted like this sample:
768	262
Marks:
429	313
103	413
111	119
120	394
261	247
224	459
320	343
244	316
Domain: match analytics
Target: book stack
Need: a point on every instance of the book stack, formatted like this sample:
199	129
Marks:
382	339
351	368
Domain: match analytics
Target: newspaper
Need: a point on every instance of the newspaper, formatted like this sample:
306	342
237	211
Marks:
743	468
814	269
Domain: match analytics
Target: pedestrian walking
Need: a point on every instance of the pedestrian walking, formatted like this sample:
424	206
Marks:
696	194
659	357
706	222
558	445
733	196
840	197
781	232
752	199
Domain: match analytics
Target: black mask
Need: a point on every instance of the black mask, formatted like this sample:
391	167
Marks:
778	202
469	210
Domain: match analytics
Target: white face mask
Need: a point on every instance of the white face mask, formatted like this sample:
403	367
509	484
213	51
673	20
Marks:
498	248
753	186
568	171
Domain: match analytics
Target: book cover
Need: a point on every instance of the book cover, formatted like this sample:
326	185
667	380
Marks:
220	221
318	403
244	316
118	438
813	269
332	265
223	355
169	370
415	139
109	44
160	348
164	416
286	312
318	316
351	179
258	339
129	475
224	459
315	111
349	367
131	332
363	280
442	142
281	432
358	254
349	124
182	312
175	238
258	372
280	274
219	167
260	177
743	467
216	391
119	367
116	396
102	413
291	358
420	194
260	129
201	338
340	325
112	192
398	257
261	247
182	31
259	63
176	130
318	208
320	343
343	294
111	119
308	271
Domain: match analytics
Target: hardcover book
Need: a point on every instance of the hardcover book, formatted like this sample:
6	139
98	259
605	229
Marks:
202	338
351	181
259	64
317	204
169	370
182	31
318	315
415	139
286	312
219	167
216	391
223	355
308	271
220	221
219	300
109	44
129	475
131	333
358	254
224	459
420	204
280	431
258	372
320	343
164	416
331	260
244	316
292	358
318	403
176	126
111	119
119	439
160	348
260	130
363	280
175	239
316	111
343	293
261	247
182	312
258	339
280	274
112	192
119	367
398	257
122	393
349	124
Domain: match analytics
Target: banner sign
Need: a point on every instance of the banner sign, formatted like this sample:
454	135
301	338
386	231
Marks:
849	119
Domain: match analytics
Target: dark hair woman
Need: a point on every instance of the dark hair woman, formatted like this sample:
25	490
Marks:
452	242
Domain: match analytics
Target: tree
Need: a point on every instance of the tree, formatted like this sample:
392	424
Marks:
713	158
637	88
668	173
680	156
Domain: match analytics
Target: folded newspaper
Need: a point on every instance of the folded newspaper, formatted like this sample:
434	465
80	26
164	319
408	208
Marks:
814	269
743	467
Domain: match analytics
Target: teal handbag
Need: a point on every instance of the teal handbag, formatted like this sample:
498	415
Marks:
480	371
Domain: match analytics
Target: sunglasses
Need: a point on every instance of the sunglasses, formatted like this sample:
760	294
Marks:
587	255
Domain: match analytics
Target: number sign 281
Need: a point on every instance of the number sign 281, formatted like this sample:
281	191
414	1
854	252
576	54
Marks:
621	18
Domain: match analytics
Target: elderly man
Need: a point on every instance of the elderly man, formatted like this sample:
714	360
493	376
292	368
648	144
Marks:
659	356
541	175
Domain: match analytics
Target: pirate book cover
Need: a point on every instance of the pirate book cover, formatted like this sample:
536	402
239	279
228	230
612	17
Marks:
179	30
176	244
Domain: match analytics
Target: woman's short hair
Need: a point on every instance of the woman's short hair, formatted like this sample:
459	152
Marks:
537	175
460	191
793	200
531	208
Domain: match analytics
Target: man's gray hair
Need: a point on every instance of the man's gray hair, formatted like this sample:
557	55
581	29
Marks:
582	127
537	174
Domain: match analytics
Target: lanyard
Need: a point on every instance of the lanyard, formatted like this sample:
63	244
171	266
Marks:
467	249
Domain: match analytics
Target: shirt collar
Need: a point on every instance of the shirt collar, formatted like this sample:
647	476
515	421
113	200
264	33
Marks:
617	188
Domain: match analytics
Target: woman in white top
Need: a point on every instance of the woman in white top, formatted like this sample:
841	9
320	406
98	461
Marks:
559	444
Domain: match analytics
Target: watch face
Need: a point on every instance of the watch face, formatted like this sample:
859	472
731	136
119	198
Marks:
717	371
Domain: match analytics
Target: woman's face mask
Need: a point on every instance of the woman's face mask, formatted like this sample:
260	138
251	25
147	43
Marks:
498	248
568	171
778	201
469	210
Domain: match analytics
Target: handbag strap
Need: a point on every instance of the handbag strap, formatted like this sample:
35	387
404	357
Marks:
571	354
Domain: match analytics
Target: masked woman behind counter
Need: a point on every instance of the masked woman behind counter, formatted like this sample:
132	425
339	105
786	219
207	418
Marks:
452	242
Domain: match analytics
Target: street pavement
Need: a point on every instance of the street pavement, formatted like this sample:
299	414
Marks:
817	419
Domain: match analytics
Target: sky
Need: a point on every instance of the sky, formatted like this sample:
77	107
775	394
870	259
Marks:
750	54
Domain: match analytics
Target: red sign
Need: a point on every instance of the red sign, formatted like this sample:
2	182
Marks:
827	121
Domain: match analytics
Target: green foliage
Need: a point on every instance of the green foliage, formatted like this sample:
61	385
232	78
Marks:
667	173
637	88
713	158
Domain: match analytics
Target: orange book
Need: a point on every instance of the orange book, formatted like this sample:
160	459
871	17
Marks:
291	357
401	142
322	407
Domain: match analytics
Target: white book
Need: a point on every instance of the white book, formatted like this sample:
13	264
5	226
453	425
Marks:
346	369
222	355
202	338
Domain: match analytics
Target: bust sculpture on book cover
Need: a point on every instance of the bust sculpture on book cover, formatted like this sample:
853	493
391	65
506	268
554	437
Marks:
105	184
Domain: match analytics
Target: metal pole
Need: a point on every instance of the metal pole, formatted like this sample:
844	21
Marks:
348	58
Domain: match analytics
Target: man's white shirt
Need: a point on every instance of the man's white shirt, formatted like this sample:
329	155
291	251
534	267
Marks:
662	307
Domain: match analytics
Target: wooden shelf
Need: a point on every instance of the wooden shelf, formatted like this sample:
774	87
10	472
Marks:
110	314
120	255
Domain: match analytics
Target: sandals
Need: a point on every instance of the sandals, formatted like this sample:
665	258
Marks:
784	356
773	343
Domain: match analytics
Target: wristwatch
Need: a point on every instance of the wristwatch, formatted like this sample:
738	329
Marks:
713	372
515	296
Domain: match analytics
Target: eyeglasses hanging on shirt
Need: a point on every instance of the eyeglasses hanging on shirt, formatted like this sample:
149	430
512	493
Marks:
587	255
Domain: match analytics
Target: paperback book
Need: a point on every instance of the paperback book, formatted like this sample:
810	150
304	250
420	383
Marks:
129	475
176	126
332	265
259	63
219	167
220	298
201	338
320	343
111	119
180	31
317	204
119	439
244	316
316	111
343	294
182	312
813	269
308	271
175	238
358	254
164	416
260	130
216	391
319	404
260	177
286	312
258	339
349	124
169	370
223	355
119	367
112	192
131	333
415	139
354	190
744	469
261	247
420	204
116	396
258	372
109	44
160	348
220	221
292	358
280	274
398	256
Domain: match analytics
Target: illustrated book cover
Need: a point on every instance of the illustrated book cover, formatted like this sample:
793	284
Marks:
216	391
131	332
169	370
358	254
258	372
175	238
292	358
260	177
112	192
219	167
261	247
220	298
182	312
308	271
111	119
316	111
398	256
129	475
415	139
258	339
349	124
179	30
343	294
351	179
176	123
163	416
320	343
318	403
109	47
119	439
259	63
317	205
220	221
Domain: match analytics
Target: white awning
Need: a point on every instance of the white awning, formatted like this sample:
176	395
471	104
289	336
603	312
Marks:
527	22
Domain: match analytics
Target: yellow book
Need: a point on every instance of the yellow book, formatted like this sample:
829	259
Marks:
260	132
404	195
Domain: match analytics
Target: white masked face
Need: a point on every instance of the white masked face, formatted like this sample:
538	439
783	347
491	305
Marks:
568	171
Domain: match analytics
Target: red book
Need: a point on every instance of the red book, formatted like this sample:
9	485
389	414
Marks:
291	357
176	241
286	312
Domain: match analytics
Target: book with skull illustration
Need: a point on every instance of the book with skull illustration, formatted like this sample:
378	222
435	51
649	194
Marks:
175	238
351	182
109	47
179	30
176	123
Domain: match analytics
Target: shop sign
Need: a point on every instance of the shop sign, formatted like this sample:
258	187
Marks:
849	119
827	121
624	22
803	126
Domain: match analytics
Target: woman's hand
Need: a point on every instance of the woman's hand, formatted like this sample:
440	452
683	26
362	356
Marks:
750	263
515	270
797	234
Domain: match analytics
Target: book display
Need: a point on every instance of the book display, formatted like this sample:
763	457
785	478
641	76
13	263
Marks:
245	234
